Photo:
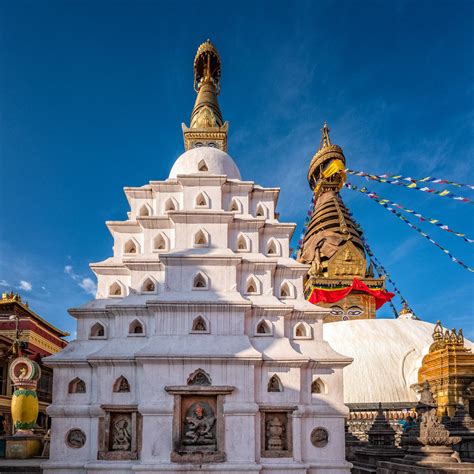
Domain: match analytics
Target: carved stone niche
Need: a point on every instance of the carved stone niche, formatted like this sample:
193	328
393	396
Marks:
120	433
276	432
198	422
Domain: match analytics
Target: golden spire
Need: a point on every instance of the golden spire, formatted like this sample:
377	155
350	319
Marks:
207	127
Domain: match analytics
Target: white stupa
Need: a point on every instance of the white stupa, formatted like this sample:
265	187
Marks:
199	352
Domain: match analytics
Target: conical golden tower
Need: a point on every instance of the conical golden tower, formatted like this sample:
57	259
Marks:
333	244
207	127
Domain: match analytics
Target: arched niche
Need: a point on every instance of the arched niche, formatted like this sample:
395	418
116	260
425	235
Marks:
318	387
273	248
136	328
200	325
236	205
199	377
145	210
274	384
121	385
261	210
287	290
252	285
263	328
131	247
77	385
149	285
116	290
202	200
202	166
97	331
243	243
201	238
160	242
200	281
302	330
171	204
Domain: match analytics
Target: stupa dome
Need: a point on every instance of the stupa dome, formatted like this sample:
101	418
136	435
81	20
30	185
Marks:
387	356
205	160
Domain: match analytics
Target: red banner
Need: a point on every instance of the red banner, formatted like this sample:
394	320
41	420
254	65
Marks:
323	295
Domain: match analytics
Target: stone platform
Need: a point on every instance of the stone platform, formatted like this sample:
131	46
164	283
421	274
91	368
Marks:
400	466
21	466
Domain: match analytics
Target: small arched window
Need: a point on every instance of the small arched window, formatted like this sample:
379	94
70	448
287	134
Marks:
287	290
200	282
199	377
261	210
149	286
252	286
200	325
202	200
302	331
144	211
160	243
121	385
274	384
202	166
115	289
171	204
97	331
263	328
136	327
130	247
77	385
235	205
201	238
317	386
243	244
273	248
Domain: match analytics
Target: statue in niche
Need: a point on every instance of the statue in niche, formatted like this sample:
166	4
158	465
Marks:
199	425
121	434
275	432
123	385
199	377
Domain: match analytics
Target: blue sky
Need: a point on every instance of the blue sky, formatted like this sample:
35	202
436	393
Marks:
92	96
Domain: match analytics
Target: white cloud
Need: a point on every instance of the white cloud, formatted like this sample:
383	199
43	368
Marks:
88	286
25	285
4	283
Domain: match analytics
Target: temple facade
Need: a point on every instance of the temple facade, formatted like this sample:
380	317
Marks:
199	352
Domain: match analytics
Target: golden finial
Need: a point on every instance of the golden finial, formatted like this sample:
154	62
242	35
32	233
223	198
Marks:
438	331
325	140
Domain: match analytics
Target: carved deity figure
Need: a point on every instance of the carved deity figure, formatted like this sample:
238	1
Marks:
121	435
199	425
275	433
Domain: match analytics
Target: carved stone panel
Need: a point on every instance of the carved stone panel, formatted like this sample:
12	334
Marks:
198	422
75	438
276	429
319	437
119	433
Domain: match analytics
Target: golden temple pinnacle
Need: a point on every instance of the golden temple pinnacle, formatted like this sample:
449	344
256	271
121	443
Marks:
207	127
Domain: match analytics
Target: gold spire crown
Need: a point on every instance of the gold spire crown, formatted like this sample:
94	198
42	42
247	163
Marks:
207	128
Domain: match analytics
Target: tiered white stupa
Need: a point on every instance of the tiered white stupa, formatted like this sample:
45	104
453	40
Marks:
199	352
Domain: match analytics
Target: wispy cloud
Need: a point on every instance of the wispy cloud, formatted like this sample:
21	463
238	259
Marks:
25	285
87	284
4	283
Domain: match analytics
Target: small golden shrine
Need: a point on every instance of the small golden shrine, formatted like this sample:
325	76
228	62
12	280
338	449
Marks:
207	127
333	244
449	369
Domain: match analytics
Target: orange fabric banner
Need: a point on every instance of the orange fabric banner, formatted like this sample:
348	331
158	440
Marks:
323	295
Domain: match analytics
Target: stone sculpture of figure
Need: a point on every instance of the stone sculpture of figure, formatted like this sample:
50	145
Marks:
199	425
122	436
275	432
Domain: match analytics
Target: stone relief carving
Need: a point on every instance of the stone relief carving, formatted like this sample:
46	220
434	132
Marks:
121	433
319	437
199	377
75	438
275	434
199	426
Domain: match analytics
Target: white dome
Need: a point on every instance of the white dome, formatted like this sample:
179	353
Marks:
216	161
387	356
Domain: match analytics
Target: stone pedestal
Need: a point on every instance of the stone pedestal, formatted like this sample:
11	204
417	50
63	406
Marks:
22	447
